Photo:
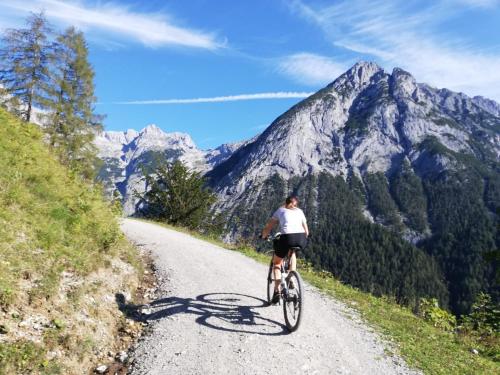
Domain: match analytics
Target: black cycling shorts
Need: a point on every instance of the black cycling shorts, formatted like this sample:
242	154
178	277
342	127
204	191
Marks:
288	240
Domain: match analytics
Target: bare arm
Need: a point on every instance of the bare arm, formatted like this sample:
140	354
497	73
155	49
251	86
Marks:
269	227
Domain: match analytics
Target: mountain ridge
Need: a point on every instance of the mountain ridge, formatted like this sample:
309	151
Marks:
400	181
124	153
409	157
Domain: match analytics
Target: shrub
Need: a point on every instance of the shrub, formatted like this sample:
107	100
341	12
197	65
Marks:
430	311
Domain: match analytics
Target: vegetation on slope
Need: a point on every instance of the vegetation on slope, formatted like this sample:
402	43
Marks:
52	224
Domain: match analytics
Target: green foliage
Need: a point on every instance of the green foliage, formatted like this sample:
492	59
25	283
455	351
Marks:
56	76
464	231
71	122
25	58
481	328
484	316
380	202
50	219
23	357
177	196
461	206
408	192
357	187
429	310
366	255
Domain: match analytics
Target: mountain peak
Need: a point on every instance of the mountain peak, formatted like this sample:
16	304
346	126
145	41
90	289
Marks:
362	71
152	129
403	84
359	75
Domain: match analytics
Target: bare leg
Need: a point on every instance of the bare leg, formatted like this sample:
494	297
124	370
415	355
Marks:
277	272
293	261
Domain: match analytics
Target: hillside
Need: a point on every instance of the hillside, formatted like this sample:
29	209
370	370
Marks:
400	182
62	260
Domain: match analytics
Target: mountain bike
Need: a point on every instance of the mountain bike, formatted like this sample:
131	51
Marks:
291	290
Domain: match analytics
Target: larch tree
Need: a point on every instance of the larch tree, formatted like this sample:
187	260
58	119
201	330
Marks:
72	123
25	57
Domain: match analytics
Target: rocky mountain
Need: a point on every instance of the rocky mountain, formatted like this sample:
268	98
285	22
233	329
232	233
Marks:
125	153
400	181
488	105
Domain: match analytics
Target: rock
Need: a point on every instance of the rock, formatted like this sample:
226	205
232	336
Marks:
474	351
101	369
122	357
146	311
3	329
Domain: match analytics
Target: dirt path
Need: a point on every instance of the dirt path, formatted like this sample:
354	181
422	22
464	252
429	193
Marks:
211	318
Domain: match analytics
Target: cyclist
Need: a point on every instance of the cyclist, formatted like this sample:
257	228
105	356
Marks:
294	233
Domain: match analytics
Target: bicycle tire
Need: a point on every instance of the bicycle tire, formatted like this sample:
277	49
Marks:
270	284
293	306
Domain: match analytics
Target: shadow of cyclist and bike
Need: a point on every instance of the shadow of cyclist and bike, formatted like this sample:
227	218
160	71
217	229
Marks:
230	312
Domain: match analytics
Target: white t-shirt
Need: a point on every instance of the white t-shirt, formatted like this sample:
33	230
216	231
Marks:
290	219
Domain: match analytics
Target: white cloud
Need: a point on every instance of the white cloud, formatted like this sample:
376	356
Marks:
229	98
397	36
152	30
311	69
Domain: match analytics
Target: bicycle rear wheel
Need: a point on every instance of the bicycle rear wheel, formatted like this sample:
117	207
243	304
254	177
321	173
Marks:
293	304
270	283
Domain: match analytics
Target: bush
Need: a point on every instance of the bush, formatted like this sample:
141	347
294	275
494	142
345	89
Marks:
484	317
430	311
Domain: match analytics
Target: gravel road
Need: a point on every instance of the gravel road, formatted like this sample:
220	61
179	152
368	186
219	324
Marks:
210	317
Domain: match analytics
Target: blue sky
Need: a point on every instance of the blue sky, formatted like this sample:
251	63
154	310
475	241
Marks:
223	70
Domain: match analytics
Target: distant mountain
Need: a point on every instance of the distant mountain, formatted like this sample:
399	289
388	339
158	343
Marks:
378	148
125	153
488	105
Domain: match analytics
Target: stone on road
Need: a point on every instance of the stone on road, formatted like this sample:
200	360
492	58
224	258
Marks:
210	317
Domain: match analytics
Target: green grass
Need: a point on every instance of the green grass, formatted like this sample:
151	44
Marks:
50	221
422	345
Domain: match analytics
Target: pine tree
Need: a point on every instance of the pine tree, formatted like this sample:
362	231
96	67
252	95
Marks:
72	123
176	195
25	58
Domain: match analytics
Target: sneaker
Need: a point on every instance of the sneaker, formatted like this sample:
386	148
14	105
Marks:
276	298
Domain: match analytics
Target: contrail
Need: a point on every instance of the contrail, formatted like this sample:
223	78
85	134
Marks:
230	98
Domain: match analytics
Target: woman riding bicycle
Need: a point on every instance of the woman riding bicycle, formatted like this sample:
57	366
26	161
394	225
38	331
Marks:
294	233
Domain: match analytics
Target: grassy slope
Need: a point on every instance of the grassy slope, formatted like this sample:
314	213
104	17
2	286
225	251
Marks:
422	345
50	221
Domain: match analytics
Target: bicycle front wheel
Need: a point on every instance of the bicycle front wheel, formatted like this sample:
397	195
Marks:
270	283
293	303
